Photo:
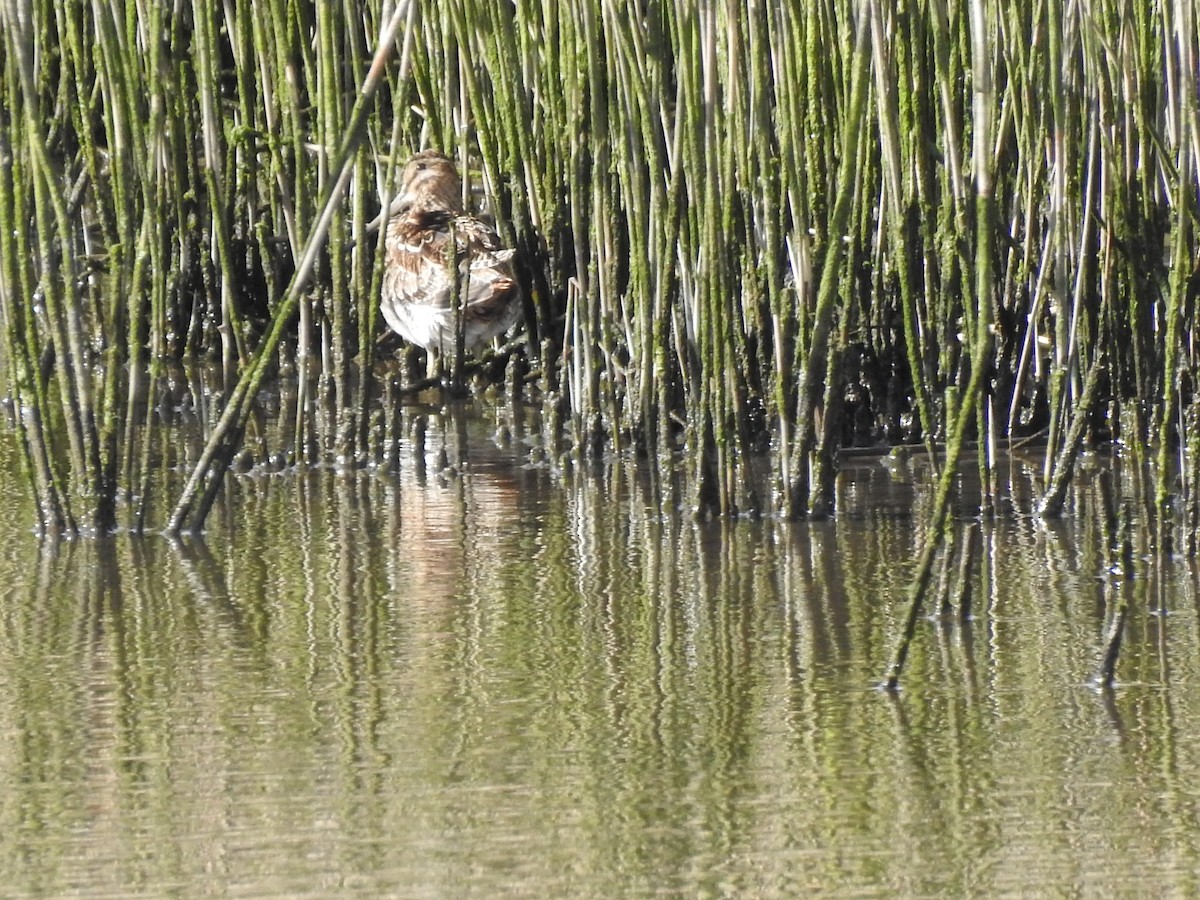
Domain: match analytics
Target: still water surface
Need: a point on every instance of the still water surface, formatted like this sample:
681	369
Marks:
509	681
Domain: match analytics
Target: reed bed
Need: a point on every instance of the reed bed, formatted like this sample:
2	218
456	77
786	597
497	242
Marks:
748	230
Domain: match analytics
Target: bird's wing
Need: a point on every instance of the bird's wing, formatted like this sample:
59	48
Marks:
475	236
417	270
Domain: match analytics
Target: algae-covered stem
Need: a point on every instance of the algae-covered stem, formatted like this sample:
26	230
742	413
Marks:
202	485
233	341
85	480
812	369
981	343
25	379
890	147
1120	585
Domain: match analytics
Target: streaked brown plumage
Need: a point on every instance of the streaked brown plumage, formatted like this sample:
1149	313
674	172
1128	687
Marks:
418	283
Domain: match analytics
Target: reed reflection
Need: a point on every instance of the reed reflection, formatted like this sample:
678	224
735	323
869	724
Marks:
499	679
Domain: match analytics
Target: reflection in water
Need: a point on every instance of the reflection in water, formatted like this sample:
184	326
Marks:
482	680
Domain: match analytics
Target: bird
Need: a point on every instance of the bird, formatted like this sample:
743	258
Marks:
429	232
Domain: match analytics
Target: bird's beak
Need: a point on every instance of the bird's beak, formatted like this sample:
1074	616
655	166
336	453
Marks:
380	220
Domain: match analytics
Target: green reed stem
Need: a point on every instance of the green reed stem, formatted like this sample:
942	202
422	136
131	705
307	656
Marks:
198	494
981	350
811	372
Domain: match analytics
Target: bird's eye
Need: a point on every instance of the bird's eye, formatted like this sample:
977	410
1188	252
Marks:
421	167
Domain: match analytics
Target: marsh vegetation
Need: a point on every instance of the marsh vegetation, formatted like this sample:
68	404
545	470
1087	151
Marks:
748	231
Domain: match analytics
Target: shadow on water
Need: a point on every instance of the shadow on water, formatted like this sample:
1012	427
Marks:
478	674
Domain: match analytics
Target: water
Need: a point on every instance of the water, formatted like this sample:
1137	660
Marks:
504	681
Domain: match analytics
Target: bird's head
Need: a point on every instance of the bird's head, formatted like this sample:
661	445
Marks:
430	181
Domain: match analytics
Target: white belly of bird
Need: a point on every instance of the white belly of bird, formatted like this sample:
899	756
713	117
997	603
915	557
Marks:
432	327
425	326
